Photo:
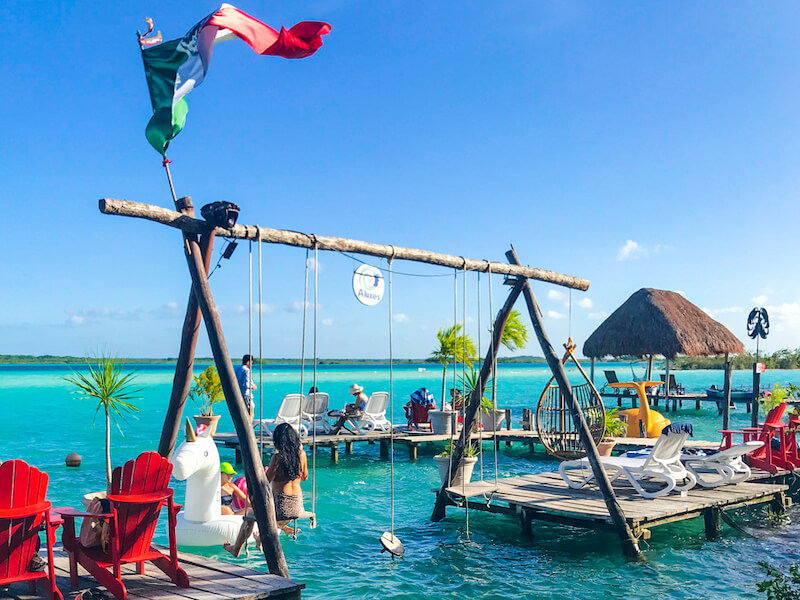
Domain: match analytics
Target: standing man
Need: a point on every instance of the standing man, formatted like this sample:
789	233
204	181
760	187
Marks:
246	386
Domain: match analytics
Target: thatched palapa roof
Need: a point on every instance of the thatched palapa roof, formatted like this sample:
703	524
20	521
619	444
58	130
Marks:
660	322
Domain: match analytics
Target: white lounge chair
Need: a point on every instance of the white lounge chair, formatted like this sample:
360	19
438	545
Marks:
728	464
662	464
288	412
373	417
315	412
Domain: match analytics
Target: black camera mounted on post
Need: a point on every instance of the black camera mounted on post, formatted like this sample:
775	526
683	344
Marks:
220	214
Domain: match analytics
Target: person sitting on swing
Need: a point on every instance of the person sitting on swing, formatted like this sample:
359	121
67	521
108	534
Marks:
287	468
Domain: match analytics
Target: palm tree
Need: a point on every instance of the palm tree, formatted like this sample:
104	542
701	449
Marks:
453	342
515	334
112	390
514	337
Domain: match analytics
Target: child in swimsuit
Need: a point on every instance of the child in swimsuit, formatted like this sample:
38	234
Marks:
287	468
228	490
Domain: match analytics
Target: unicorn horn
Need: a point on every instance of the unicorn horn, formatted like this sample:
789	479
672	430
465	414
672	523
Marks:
190	436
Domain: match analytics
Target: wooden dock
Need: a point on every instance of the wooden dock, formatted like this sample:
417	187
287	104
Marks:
209	580
675	400
412	440
547	497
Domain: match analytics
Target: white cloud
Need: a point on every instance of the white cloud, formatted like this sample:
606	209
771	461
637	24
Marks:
401	318
327	321
761	299
76	320
297	306
584	302
725	310
597	316
787	313
553	314
556	295
312	264
631	250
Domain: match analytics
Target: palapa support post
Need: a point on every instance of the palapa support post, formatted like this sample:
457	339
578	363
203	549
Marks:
726	406
475	399
182	380
666	387
630	546
251	458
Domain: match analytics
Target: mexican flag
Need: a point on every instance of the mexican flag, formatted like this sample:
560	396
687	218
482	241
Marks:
175	68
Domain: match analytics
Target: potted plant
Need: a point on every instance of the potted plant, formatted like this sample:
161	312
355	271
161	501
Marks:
772	400
451	343
464	473
114	392
491	418
615	427
206	392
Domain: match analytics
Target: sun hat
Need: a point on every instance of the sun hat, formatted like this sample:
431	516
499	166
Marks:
226	468
356	389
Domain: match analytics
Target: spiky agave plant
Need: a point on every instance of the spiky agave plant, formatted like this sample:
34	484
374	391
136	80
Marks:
113	390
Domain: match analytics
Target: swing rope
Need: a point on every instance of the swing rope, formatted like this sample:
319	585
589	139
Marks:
250	301
303	343
454	393
260	356
313	422
467	434
480	379
494	369
391	396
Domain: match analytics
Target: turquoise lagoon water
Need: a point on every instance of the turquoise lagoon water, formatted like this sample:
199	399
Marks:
42	421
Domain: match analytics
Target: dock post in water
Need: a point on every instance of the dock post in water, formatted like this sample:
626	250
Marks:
756	394
630	546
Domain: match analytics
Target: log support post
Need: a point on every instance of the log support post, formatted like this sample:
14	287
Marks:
182	379
348	447
335	453
508	426
666	387
475	398
697	404
257	485
712	518
630	546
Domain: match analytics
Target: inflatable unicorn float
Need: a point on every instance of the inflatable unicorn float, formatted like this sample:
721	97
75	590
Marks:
201	522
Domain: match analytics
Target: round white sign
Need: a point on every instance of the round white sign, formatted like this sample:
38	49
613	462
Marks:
368	285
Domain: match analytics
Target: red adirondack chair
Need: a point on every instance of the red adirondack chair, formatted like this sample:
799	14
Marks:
768	458
417	414
138	491
23	510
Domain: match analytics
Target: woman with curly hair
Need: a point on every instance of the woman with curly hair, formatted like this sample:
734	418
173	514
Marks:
287	468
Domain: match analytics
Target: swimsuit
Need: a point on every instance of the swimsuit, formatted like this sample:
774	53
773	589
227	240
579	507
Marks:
227	500
288	506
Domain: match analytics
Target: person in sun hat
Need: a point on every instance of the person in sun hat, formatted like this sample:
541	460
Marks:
360	401
228	489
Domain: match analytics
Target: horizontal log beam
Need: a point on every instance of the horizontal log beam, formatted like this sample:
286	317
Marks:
187	224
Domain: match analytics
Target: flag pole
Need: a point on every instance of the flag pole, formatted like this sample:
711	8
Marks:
166	161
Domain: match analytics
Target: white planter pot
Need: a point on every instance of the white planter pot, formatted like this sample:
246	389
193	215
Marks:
443	422
492	420
463	474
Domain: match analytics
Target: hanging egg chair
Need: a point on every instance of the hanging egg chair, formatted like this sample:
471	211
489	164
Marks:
557	432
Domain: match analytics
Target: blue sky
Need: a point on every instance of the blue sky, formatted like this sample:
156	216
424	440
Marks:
640	144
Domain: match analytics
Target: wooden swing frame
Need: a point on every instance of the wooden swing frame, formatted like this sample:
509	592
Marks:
198	238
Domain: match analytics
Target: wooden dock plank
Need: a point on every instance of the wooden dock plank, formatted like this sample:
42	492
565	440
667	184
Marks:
548	495
209	579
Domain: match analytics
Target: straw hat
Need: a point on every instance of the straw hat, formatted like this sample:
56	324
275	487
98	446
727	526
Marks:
355	389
